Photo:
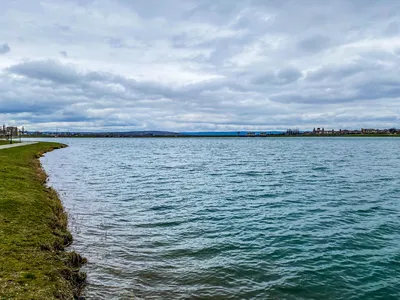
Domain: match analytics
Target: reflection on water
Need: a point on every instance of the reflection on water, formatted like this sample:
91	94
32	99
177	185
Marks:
273	218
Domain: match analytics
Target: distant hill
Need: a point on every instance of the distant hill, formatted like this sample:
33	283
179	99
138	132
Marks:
156	133
228	133
150	133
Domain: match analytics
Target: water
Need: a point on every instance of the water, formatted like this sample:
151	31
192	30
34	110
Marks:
255	218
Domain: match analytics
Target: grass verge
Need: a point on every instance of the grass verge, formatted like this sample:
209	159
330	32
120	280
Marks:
33	231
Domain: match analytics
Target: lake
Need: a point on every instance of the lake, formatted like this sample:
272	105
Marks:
233	218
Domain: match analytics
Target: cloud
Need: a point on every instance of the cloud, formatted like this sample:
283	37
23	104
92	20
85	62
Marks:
289	74
116	42
200	65
4	49
64	54
280	77
46	70
393	28
339	72
314	43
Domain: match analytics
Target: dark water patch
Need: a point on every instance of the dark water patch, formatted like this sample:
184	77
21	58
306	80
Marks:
250	173
320	168
159	224
162	207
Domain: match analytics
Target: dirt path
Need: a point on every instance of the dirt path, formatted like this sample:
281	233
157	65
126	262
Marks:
16	145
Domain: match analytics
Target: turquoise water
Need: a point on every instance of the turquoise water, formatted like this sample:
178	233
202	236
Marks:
255	218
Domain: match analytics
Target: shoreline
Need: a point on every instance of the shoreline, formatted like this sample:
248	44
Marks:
216	136
34	231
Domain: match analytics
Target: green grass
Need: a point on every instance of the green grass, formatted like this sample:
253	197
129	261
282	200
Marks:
33	231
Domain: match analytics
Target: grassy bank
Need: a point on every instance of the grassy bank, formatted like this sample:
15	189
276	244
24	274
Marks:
33	231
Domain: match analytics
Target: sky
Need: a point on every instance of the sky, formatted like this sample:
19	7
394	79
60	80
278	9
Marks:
199	65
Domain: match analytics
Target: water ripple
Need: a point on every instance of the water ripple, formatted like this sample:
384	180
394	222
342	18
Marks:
234	218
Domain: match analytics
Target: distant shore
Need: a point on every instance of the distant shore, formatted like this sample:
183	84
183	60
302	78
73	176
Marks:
216	136
33	231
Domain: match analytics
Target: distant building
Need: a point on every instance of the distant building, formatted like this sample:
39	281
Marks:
318	131
368	130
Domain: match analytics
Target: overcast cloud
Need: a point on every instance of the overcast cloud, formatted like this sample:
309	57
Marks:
185	65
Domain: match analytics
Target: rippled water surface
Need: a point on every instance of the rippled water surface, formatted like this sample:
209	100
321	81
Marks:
255	218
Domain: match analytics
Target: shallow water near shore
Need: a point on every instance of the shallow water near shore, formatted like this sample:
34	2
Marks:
251	218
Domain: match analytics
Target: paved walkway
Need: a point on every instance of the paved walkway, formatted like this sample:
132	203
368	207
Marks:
17	145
